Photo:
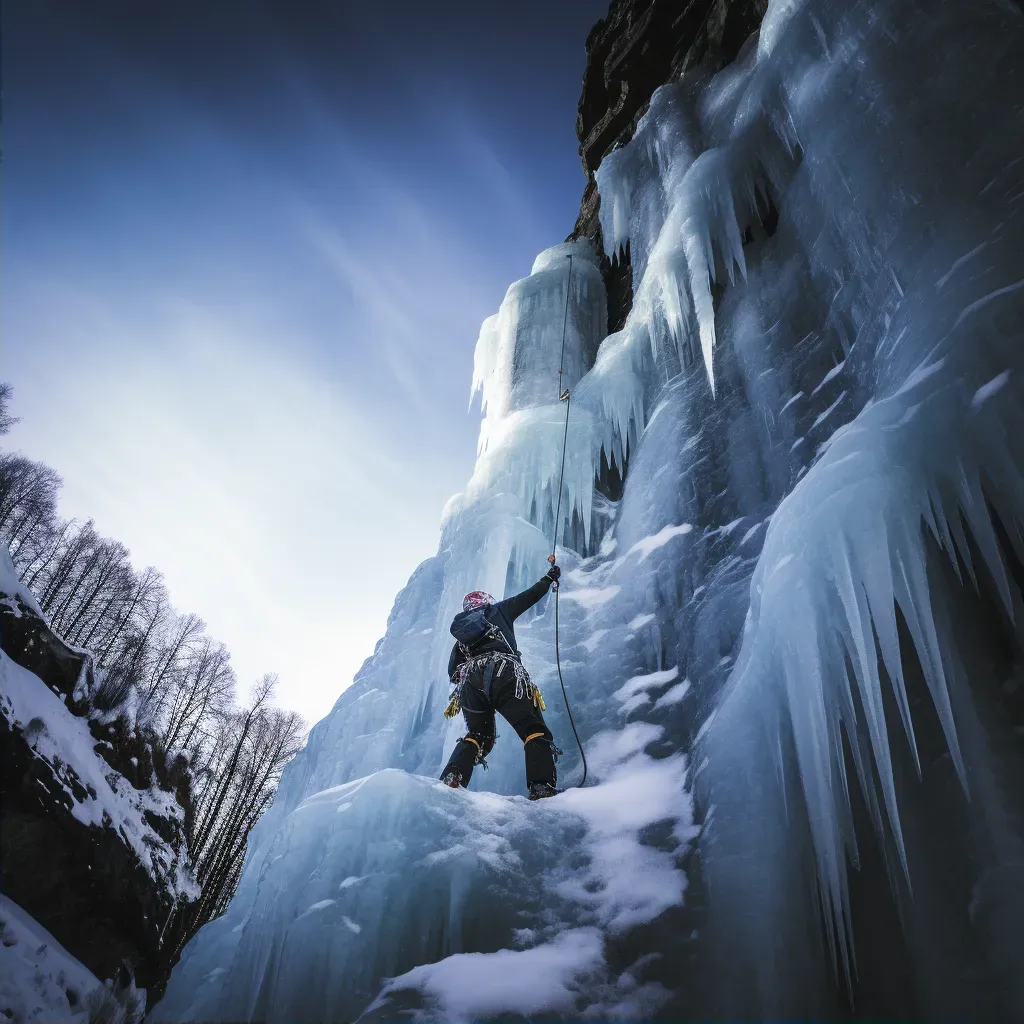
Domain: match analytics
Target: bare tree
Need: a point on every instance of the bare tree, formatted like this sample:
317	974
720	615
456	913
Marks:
175	646
35	566
6	419
143	612
179	679
255	746
105	584
205	686
28	499
225	779
67	565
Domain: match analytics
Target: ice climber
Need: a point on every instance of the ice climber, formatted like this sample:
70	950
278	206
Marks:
487	673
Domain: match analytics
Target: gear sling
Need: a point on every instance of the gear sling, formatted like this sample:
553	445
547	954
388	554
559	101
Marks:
488	676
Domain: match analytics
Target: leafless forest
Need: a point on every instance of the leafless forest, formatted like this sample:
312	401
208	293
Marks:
165	685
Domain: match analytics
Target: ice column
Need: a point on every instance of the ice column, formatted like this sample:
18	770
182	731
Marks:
518	357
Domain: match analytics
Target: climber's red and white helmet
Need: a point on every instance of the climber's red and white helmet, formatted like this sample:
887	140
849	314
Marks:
476	599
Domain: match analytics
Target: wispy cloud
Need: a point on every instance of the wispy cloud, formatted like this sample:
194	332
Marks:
266	499
241	312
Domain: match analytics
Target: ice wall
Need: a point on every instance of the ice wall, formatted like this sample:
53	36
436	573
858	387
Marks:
516	363
538	345
810	590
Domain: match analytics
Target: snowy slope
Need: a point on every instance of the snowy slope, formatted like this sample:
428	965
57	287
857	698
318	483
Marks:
92	791
11	589
41	982
39	979
797	631
96	859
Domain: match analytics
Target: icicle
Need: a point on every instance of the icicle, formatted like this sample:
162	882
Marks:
913	599
876	575
614	182
613	392
699	258
861	647
972	501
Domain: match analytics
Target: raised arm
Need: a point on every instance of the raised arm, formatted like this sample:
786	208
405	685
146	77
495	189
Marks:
515	606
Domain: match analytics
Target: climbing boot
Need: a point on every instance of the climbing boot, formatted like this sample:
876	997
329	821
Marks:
540	790
453	779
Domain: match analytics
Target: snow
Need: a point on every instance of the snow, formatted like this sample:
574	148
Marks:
11	589
634	882
41	982
543	979
94	793
792	400
321	905
674	695
986	391
589	597
641	621
958	263
831	375
39	979
639	684
662	537
828	412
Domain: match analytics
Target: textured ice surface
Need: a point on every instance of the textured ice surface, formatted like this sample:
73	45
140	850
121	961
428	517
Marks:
495	879
517	354
801	591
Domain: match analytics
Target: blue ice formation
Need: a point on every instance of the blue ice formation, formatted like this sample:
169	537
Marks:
793	640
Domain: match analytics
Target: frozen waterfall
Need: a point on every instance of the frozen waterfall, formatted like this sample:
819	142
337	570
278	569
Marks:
793	644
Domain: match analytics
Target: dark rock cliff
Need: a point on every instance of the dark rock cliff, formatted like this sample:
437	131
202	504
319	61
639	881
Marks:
638	46
103	888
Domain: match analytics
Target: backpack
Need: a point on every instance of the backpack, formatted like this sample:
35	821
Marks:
472	627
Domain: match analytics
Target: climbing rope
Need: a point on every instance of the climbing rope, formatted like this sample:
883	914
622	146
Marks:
563	396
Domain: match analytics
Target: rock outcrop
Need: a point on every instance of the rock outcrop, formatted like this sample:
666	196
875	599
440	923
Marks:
94	817
638	46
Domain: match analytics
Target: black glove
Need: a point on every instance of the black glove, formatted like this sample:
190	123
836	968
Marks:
553	573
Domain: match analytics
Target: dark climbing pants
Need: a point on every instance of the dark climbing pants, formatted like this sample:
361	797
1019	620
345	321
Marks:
514	702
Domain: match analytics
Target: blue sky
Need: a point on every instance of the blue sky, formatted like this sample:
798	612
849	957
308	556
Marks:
245	259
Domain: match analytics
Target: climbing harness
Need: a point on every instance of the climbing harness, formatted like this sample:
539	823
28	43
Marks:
498	660
563	396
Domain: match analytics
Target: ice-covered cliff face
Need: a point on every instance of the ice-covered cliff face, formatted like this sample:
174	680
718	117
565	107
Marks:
802	618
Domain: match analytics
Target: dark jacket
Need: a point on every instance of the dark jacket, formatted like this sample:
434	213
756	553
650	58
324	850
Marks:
502	615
